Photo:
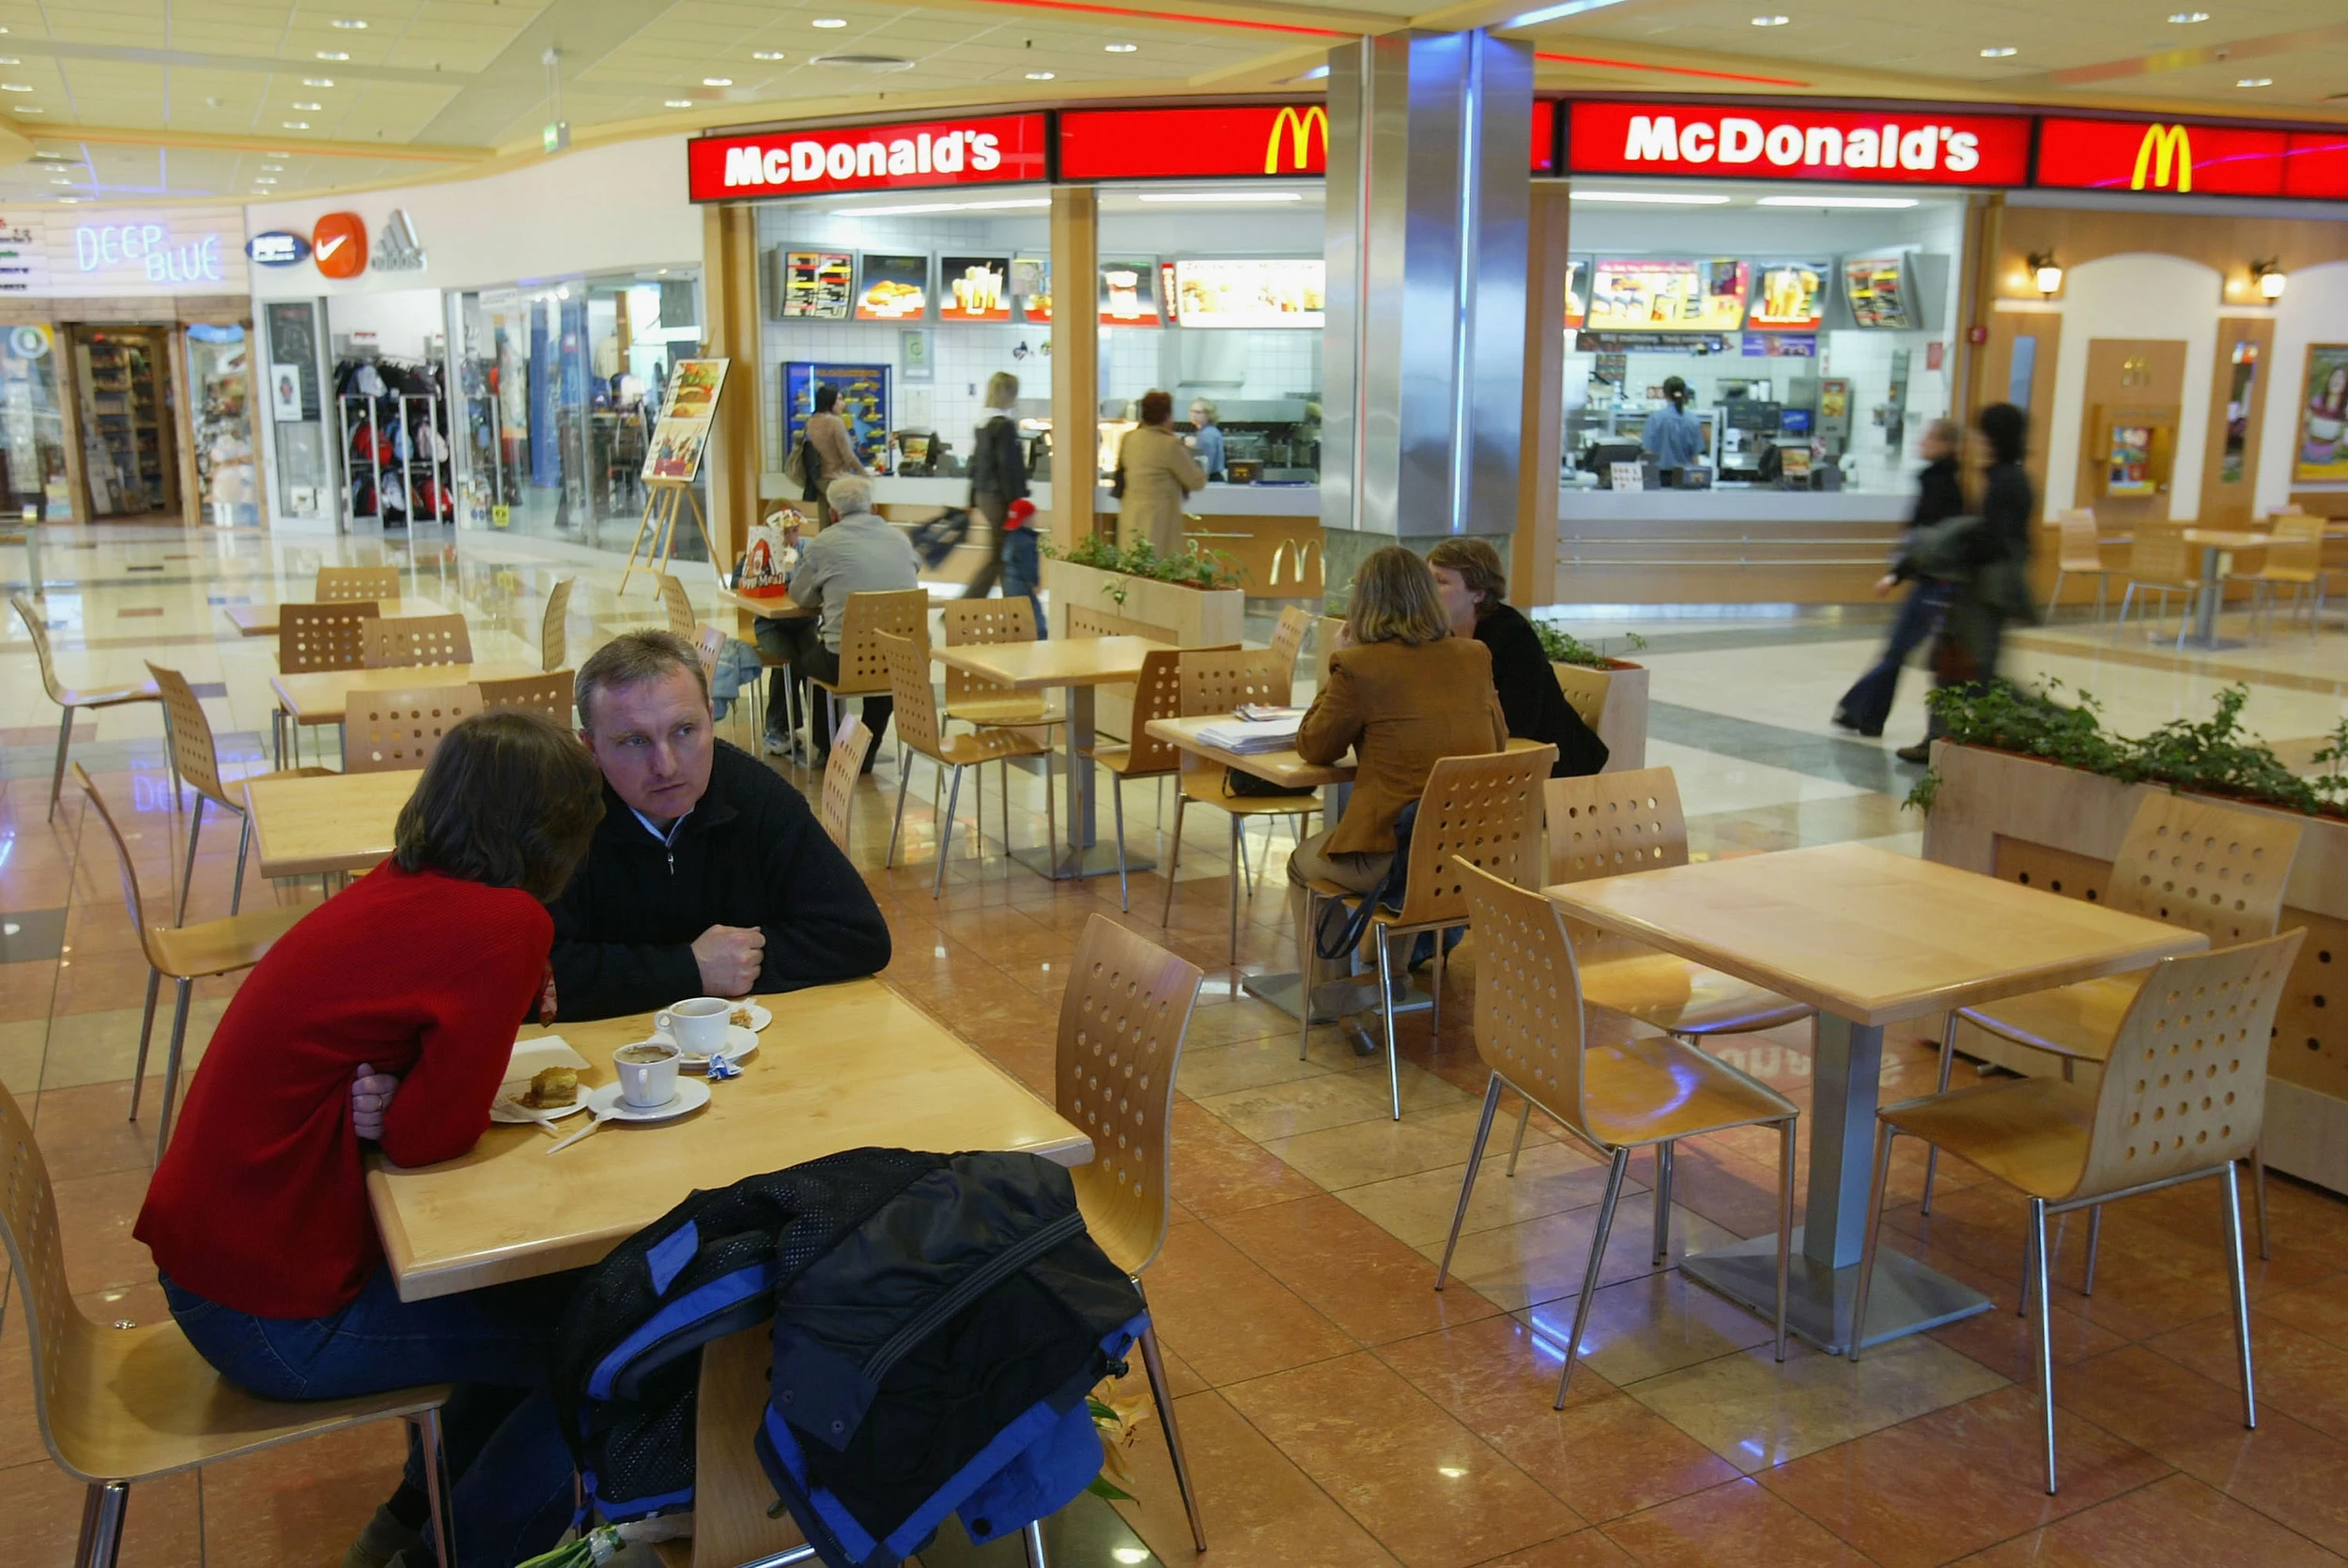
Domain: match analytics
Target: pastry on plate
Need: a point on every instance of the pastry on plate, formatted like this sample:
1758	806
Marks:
551	1090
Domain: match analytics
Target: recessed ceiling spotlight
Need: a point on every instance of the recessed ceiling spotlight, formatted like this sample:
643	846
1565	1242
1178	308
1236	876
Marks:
295	125
2256	82
350	25
765	54
1120	48
65	182
69	201
1771	20
677	104
1039	76
1998	52
308	108
317	81
1649	198
717	81
830	22
9	60
15	87
2187	19
332	54
264	183
29	109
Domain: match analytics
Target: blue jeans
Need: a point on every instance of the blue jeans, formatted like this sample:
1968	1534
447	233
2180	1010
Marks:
1868	703
510	1470
1021	574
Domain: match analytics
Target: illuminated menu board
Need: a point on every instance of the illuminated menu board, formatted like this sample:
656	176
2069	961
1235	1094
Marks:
1878	291
1789	296
1222	292
1667	295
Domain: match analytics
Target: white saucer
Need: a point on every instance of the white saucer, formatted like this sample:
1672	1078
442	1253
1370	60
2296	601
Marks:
760	1016
504	1109
741	1044
691	1095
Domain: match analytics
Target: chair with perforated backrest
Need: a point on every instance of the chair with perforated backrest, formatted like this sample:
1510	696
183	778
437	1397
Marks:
549	694
841	770
919	727
708	643
863	665
2185	860
393	731
2160	562
1157	694
2079	549
186	953
196	756
1122	1021
1585	690
974	698
2183	1098
313	639
1648	1092
413	641
1475	811
677	605
347	585
1219	682
73	699
133	1401
1092	621
1287	638
2294	560
554	627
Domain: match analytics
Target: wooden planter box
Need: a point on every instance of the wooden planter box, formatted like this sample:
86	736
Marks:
1611	701
2058	828
1167	611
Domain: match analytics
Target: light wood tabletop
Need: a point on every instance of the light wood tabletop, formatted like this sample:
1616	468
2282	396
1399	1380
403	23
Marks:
305	827
780	608
1283	767
842	1066
320	696
1069	661
261	620
2225	538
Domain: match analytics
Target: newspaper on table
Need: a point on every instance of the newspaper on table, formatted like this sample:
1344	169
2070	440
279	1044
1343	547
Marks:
1254	728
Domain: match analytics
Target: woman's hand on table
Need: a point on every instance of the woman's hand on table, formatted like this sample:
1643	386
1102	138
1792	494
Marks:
370	1099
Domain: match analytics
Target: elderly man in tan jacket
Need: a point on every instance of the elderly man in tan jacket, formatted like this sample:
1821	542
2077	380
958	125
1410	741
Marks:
1160	472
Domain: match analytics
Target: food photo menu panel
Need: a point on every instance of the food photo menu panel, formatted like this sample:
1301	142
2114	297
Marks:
893	287
816	284
1668	295
1129	292
973	288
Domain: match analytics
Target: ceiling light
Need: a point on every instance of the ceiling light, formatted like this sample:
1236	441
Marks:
1039	76
350	25
765	54
1998	52
1222	196
912	208
308	108
1553	13
1120	48
2256	82
676	104
9	60
332	54
317	81
2047	272
295	125
28	109
66	183
264	183
830	22
2185	19
69	201
1771	20
1653	198
15	87
1836	201
717	81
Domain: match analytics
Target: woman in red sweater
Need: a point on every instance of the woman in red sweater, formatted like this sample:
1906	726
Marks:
257	1216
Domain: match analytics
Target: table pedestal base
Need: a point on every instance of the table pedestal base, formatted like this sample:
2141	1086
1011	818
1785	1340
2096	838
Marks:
1908	1297
1063	863
1335	999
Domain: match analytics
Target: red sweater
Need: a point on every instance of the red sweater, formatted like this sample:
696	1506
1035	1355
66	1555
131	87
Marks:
260	1203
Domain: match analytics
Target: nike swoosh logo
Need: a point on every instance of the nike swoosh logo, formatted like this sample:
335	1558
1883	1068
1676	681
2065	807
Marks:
331	246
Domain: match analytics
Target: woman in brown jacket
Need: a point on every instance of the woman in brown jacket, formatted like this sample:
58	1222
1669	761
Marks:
1160	474
1402	694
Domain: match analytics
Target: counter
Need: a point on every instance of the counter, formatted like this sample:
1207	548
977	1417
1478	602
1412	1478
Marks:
1237	501
1270	533
1728	545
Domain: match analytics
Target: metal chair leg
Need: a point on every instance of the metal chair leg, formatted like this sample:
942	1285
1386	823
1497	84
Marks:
904	780
1308	950
1874	1226
1467	1183
945	839
2054	598
2045	1334
1032	1537
1385	1012
1784	1224
1173	858
1948	1061
1589	1274
2258	1195
57	783
1239	865
1154	1364
244	843
147	1032
187	873
1051	813
1662	1200
1116	802
442	1520
2241	1298
1525	1119
170	1064
1436	1017
103	1505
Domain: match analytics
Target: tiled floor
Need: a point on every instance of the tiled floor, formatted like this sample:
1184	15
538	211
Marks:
1336	1409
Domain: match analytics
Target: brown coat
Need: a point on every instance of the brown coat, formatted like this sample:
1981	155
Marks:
1402	709
1160	474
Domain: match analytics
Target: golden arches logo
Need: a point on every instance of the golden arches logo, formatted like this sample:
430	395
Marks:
1300	125
2165	151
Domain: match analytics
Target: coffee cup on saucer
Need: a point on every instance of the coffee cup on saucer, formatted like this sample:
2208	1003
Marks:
647	1073
698	1024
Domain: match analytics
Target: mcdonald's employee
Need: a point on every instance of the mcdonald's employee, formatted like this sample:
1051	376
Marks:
1208	439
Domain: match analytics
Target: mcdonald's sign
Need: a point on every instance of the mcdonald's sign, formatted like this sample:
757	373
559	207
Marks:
2196	158
1224	141
1300	127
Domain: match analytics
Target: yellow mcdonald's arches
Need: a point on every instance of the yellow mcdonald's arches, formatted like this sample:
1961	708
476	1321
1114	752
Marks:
1300	127
2166	149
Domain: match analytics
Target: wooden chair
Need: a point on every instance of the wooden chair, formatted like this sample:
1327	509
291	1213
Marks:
2294	558
554	628
1585	691
195	755
1217	682
1123	1020
73	699
973	699
549	694
1287	638
1644	1093
351	585
2160	562
917	728
186	953
863	665
2187	861
1476	811
134	1402
415	641
2184	1098
392	731
313	637
2078	548
1158	694
848	749
708	643
679	606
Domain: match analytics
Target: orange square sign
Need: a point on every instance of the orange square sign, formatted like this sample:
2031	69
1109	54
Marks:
339	244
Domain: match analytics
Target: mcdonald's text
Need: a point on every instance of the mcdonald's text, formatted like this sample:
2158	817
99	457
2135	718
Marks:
1920	148
999	149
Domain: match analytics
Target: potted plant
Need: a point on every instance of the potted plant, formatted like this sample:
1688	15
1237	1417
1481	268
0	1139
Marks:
1609	694
1195	596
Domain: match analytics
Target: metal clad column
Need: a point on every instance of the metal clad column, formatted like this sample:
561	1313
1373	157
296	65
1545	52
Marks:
1424	354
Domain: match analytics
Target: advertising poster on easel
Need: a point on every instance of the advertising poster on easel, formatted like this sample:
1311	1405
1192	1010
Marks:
674	452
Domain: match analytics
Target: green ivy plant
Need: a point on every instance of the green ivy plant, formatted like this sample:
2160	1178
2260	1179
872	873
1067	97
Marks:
1563	647
1193	568
2214	756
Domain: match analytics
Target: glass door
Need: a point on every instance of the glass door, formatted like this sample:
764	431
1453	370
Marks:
127	435
220	380
32	426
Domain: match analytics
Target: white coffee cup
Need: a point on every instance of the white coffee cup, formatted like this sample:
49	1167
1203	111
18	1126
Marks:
647	1073
698	1024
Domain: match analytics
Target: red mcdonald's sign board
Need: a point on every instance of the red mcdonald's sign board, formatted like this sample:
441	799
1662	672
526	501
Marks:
1919	145
1224	141
2192	157
993	149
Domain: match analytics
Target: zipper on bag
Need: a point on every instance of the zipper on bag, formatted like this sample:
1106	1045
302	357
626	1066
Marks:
1001	1267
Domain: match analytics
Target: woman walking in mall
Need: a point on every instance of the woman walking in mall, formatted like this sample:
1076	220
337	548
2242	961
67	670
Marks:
1986	560
831	452
999	476
1939	495
1473	587
1402	694
258	1217
1158	474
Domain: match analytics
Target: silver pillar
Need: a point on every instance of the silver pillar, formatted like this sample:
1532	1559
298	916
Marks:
1424	353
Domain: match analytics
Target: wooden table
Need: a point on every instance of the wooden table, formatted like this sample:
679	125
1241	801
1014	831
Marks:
307	828
261	620
2216	544
1869	938
842	1066
780	608
1079	664
321	696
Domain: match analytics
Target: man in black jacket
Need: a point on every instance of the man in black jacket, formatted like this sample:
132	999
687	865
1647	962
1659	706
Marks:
708	876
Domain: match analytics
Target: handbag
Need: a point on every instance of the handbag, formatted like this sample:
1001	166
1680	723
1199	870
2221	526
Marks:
1239	781
795	466
1334	943
1117	483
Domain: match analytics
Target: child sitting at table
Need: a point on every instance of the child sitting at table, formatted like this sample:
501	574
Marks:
257	1215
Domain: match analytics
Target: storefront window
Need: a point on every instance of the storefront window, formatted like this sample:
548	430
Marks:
227	477
298	410
32	424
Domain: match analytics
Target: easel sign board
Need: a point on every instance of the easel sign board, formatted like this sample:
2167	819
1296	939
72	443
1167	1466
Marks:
674	452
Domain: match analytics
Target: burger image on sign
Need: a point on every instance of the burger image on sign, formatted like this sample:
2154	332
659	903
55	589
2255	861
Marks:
339	243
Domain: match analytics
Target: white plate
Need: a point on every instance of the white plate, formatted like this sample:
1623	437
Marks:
505	1108
691	1095
741	1044
760	1016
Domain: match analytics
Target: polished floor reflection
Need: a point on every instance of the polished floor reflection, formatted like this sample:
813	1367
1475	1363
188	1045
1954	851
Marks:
1336	1409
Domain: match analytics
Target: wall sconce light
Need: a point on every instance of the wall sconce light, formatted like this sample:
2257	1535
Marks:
2045	273
2268	278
